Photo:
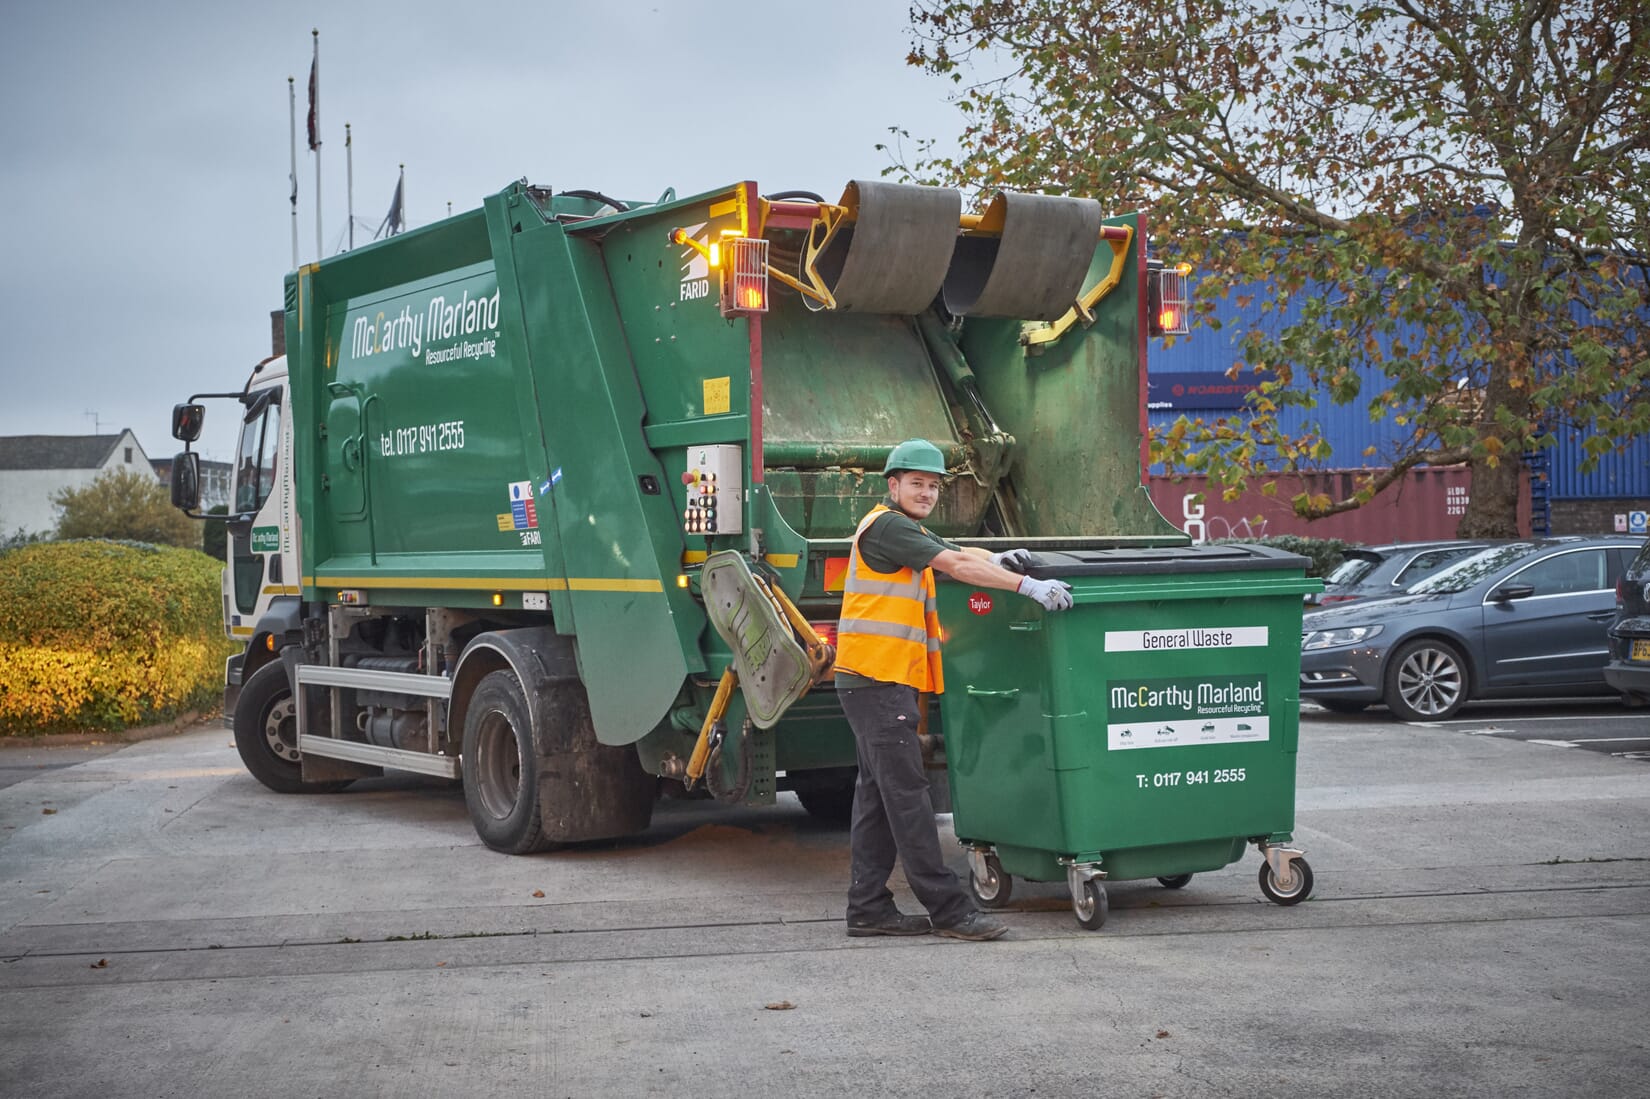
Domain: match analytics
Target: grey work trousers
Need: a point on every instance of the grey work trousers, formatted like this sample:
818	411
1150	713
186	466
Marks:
893	811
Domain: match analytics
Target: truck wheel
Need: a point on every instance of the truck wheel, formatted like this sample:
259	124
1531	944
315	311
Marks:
1175	881
266	734
832	802
501	770
1426	680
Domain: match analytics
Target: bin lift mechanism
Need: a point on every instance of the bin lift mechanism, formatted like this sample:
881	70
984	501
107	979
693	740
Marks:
893	248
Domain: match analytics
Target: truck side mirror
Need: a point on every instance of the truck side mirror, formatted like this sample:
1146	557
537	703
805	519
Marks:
186	477
186	422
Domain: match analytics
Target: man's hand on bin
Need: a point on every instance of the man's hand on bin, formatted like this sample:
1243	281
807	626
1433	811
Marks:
1054	595
1015	560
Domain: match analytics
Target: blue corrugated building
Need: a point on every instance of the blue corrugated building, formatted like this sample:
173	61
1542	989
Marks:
1188	379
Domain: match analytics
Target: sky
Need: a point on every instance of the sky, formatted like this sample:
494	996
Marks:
144	190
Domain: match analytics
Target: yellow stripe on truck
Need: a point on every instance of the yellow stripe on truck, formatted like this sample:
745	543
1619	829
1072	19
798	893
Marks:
484	583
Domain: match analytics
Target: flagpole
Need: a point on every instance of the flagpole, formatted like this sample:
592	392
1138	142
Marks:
292	118
315	112
349	185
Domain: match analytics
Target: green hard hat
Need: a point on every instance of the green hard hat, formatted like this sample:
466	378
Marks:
916	455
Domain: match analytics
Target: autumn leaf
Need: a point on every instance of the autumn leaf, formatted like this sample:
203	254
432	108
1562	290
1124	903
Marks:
779	1005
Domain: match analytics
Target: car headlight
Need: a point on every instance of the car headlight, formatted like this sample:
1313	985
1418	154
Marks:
1334	639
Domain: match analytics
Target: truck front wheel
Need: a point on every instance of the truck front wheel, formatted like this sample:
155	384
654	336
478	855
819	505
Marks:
266	734
501	781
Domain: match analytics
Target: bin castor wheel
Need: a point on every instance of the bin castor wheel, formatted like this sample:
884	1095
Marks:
995	888
1293	890
1175	881
1090	906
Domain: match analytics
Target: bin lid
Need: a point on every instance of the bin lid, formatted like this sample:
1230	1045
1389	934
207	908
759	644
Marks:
1164	560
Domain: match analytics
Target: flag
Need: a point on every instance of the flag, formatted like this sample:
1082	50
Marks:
395	220
314	108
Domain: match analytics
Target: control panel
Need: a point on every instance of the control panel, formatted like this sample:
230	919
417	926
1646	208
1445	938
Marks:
714	483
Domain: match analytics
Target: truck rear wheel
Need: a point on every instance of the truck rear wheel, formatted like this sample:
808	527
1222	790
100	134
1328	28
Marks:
266	734
501	780
828	796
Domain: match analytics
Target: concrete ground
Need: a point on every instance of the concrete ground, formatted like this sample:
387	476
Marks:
170	928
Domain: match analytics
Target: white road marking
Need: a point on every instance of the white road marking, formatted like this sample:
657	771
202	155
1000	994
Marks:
1606	739
1469	721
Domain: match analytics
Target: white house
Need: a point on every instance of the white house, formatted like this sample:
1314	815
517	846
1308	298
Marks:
35	467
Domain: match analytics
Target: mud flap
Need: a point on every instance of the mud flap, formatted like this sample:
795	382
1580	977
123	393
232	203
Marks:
587	790
773	668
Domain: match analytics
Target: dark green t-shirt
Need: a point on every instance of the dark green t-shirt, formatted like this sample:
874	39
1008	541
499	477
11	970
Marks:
894	541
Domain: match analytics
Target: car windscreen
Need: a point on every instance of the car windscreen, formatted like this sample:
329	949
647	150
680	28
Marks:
1469	571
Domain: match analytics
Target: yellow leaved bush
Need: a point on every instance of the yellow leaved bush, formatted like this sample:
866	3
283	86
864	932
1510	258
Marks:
104	635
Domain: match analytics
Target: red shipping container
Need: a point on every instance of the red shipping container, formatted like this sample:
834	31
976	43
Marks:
1426	504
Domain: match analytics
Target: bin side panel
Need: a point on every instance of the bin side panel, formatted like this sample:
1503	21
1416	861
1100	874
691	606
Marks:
999	743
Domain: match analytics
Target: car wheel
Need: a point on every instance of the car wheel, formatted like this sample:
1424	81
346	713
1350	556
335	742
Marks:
1426	680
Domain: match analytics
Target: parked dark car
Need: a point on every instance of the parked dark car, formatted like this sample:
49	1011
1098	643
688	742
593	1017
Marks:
1370	572
1517	620
1629	667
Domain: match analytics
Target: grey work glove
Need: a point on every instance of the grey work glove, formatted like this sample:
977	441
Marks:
1054	595
1015	560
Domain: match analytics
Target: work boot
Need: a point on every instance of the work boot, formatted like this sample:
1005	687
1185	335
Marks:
976	927
897	924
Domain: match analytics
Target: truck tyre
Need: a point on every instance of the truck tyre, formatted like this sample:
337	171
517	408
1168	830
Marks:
266	734
501	770
830	800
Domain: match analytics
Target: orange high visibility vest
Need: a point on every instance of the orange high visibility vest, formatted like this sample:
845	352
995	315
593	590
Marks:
890	625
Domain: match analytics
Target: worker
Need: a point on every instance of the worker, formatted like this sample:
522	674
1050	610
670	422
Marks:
887	661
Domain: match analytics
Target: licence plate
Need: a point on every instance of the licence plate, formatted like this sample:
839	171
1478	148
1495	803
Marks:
1641	650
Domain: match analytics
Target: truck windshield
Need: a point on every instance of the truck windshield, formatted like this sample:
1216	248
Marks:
255	464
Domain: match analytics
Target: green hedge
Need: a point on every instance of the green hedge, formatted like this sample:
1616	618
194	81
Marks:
103	635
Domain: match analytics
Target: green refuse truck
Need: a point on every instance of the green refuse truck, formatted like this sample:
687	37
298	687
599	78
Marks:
555	496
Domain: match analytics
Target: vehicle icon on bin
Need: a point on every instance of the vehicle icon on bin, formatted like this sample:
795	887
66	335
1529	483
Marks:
1208	727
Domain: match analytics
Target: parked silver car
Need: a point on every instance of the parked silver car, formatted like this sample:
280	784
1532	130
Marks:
1517	620
1370	572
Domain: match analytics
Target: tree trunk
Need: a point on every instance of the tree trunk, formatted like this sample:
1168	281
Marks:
1492	508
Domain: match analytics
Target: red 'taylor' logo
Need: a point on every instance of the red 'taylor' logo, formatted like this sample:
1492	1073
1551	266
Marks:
979	603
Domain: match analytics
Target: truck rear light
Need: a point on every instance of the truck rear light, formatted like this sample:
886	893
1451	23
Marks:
825	630
1167	299
744	275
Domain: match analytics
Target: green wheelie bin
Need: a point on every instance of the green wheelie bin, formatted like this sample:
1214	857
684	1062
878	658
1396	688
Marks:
1148	732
